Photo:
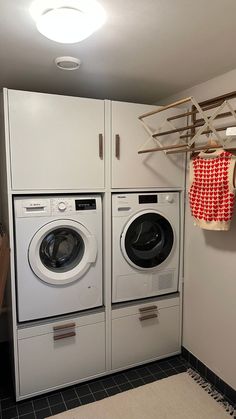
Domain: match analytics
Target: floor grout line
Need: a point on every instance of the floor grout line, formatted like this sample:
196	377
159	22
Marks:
140	373
63	400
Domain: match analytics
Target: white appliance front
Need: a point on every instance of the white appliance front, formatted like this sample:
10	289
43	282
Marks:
58	243
145	251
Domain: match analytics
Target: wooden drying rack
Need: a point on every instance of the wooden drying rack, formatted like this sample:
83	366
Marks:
189	131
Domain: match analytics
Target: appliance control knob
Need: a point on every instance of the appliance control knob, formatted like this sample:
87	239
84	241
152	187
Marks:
169	198
61	206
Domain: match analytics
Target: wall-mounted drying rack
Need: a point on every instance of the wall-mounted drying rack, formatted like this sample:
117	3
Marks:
190	133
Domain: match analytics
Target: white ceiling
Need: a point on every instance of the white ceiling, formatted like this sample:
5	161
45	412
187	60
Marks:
147	49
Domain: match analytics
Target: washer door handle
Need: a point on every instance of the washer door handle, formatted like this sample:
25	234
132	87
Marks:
92	251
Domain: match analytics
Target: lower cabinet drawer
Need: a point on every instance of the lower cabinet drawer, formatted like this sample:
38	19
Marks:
144	336
61	357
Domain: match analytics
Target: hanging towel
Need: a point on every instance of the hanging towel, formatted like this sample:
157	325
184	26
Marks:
212	191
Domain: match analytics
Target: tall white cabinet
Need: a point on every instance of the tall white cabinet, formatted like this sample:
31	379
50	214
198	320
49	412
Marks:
56	142
49	144
133	170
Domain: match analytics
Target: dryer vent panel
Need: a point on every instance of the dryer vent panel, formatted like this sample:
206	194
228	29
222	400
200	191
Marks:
163	281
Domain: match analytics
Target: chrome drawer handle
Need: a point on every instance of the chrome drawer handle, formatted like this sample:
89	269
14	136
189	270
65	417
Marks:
148	316
148	308
63	326
64	335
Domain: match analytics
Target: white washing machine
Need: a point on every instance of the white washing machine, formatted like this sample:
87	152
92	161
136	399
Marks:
58	242
145	254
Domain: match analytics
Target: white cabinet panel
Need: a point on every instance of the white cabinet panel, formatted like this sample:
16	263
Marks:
45	363
135	341
133	170
54	141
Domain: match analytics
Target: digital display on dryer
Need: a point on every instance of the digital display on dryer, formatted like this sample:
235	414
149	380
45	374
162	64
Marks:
148	199
85	204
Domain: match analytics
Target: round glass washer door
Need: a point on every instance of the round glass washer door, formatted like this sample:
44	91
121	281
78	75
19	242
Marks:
147	240
61	252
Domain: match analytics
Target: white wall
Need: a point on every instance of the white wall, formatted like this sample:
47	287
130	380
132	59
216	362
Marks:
209	330
3	316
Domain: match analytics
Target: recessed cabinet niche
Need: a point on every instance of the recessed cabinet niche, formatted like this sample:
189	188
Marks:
56	142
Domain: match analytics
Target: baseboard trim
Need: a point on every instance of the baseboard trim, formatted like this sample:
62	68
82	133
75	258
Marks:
220	385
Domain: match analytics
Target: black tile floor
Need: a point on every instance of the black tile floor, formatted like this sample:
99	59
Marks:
69	398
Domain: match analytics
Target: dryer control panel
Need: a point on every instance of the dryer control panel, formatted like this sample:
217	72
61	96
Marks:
127	203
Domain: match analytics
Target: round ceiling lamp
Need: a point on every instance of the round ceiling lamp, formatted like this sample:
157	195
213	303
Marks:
67	21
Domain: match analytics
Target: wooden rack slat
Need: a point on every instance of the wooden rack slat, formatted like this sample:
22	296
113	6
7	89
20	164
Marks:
163	108
210	102
173	131
192	112
221	115
198	149
180	148
213	103
218	98
204	132
168	147
197	123
218	101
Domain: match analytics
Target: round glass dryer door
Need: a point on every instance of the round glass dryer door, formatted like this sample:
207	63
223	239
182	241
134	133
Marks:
147	240
62	251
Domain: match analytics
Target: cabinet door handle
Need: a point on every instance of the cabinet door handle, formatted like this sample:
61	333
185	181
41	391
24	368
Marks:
63	326
117	147
100	137
148	316
64	335
148	308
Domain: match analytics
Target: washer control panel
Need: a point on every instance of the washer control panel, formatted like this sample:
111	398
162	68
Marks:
60	205
63	205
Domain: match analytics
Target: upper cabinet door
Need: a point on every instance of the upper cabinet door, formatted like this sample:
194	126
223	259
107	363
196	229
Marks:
56	142
133	170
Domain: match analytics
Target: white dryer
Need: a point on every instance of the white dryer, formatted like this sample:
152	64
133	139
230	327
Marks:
58	242
145	253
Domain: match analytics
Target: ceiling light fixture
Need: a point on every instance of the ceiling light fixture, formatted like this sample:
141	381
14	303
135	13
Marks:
67	21
67	63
